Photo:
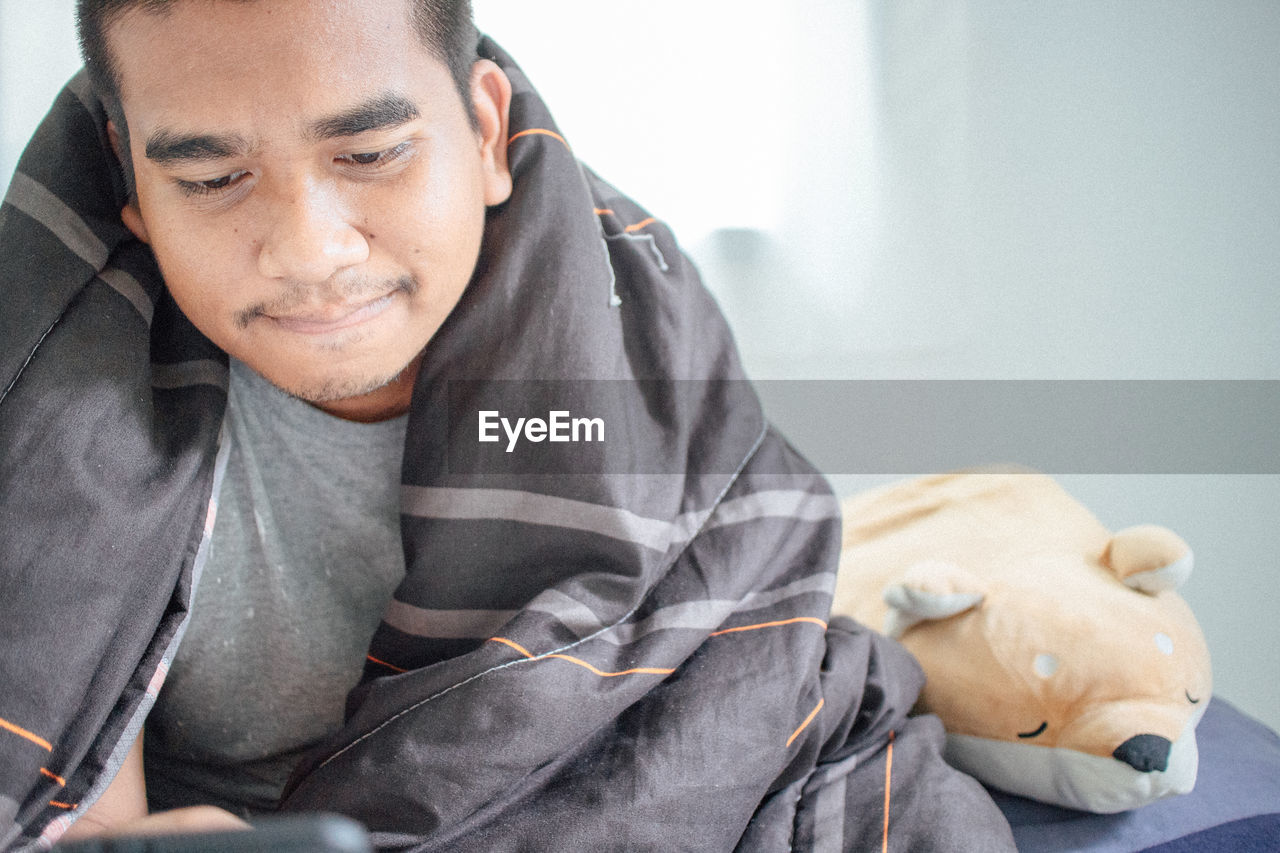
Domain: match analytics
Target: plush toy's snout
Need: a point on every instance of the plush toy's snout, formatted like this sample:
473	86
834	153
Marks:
1145	753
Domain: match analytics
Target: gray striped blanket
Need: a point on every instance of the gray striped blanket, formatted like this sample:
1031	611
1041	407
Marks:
579	658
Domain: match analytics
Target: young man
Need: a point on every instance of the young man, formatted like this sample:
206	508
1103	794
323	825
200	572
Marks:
270	271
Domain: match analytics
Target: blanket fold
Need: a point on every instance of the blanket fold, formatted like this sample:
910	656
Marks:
579	657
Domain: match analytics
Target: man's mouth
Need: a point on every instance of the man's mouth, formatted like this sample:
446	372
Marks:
333	318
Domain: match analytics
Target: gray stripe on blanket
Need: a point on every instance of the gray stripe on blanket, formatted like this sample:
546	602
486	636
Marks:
127	286
785	503
481	624
831	806
823	582
573	614
8	815
450	624
37	201
533	508
829	817
187	373
699	615
705	615
710	614
81	88
777	503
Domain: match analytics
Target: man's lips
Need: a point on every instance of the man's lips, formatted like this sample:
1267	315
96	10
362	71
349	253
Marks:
332	319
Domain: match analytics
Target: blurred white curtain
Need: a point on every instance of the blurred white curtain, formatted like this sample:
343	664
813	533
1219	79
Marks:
942	188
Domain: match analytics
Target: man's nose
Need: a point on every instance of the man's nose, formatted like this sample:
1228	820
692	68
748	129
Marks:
309	235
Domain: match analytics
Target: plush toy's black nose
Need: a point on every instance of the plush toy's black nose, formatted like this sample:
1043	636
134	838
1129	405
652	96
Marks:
1145	753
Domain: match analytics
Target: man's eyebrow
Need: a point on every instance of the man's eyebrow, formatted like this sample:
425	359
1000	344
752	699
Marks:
377	113
167	147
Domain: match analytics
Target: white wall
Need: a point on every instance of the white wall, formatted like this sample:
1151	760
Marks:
929	189
37	56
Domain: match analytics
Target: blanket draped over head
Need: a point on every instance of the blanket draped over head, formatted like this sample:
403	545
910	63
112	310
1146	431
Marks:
576	659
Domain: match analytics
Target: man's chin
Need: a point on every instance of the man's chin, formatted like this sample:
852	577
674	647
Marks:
357	398
360	392
339	389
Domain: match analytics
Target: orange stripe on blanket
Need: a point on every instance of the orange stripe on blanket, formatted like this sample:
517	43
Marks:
54	776
640	670
812	619
521	649
807	721
70	806
23	733
602	211
888	778
637	226
384	663
538	131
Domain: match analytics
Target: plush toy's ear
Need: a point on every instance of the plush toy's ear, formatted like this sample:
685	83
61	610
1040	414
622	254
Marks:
929	590
1148	558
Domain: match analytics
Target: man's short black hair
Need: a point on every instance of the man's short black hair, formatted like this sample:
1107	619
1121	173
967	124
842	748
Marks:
445	27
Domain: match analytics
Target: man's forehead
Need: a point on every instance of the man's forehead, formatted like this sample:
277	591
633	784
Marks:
166	8
209	64
213	39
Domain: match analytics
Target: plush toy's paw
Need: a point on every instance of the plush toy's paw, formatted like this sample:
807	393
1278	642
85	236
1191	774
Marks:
1149	558
929	590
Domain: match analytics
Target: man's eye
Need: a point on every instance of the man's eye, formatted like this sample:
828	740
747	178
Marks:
377	158
212	186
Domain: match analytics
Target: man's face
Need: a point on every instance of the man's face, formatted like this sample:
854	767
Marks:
310	183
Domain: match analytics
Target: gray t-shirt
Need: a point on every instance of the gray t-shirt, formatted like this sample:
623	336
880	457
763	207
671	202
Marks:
304	557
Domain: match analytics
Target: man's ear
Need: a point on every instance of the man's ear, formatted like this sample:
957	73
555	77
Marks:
130	214
491	100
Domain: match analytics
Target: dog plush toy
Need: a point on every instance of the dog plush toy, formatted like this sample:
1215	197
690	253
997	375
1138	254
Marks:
1058	656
